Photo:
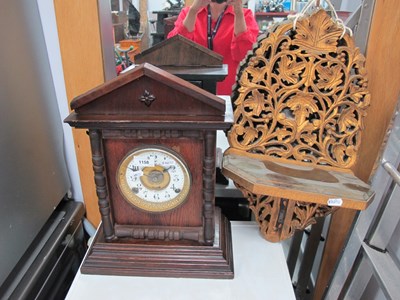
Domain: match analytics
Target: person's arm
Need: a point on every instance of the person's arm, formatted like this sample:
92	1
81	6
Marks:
179	28
244	40
240	22
190	19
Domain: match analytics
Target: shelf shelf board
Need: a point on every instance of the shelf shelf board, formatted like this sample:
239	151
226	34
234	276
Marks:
272	14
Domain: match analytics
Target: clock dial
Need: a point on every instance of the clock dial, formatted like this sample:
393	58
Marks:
154	179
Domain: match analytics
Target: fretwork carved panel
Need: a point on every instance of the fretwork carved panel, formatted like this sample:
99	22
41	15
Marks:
302	95
271	212
299	105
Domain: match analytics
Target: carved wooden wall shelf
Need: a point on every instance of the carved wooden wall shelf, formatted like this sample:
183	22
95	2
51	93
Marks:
299	105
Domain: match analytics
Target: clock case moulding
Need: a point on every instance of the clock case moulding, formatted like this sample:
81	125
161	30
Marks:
148	107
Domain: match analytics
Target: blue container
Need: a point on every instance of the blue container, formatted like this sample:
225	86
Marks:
287	5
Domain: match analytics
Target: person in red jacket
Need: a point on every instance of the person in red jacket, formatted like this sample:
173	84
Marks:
222	26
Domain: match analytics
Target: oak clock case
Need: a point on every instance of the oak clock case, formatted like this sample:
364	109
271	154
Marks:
153	141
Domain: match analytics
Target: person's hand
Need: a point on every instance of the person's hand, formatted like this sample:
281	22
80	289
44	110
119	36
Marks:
190	19
237	5
198	4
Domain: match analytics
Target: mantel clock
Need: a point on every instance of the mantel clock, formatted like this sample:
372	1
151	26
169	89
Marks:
153	143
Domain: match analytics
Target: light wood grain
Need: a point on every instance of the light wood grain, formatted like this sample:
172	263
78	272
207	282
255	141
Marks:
144	24
299	105
79	35
383	64
302	107
301	183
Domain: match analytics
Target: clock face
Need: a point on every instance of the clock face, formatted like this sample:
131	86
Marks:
154	179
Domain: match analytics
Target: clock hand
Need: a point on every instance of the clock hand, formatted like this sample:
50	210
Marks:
166	169
134	168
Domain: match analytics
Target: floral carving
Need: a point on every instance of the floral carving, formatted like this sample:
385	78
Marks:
273	229
147	98
302	95
318	34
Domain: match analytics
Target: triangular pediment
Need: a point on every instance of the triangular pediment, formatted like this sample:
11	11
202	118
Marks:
179	51
147	94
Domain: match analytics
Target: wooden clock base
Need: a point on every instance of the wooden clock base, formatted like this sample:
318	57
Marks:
175	260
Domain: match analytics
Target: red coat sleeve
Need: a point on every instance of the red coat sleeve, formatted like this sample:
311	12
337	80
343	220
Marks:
180	28
243	42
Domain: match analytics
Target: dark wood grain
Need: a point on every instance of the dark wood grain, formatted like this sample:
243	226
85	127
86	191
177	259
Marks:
187	60
188	214
153	79
101	183
149	107
179	51
189	259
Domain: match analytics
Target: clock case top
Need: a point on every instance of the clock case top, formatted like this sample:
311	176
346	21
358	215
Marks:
145	107
187	60
148	97
179	51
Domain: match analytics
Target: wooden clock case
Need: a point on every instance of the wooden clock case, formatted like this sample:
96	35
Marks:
187	60
150	107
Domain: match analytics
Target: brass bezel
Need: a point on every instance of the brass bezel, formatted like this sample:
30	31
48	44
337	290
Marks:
146	205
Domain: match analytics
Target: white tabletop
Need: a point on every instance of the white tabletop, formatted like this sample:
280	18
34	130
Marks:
260	273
